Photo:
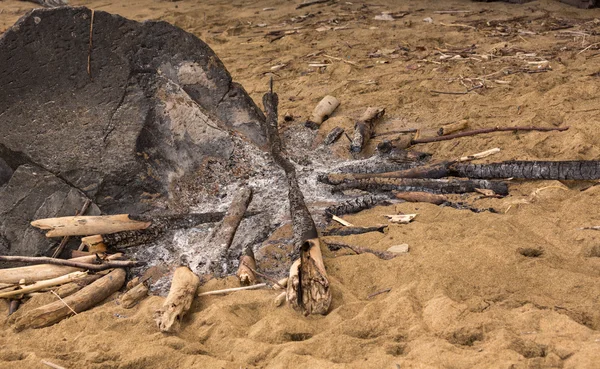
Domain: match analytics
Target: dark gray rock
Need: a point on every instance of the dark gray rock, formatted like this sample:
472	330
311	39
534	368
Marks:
33	193
158	103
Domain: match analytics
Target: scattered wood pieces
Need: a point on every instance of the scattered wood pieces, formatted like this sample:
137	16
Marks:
401	218
235	289
342	221
82	300
136	294
247	266
102	264
44	284
364	128
347	231
421	197
322	111
178	301
86	225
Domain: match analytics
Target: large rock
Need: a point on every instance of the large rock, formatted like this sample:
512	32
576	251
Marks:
33	193
158	103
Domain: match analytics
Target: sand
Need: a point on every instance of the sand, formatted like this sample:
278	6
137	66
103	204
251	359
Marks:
464	296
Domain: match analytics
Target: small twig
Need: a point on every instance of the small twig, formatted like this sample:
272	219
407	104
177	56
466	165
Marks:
340	59
342	221
484	130
402	131
379	293
227	290
52	365
63	301
311	2
457	92
89	61
587	48
480	155
275	282
451	11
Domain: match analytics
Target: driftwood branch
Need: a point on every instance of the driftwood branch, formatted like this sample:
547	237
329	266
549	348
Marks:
102	265
439	186
310	291
65	239
82	300
178	302
482	131
37	286
86	225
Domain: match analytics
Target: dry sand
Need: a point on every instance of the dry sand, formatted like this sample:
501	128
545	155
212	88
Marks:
464	296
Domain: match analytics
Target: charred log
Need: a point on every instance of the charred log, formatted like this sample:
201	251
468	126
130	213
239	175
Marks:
333	135
358	204
556	170
348	231
364	127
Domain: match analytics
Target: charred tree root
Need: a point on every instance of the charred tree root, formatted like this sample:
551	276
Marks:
348	231
358	204
557	170
439	186
308	290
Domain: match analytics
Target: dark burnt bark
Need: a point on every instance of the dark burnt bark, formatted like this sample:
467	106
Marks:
557	170
348	231
358	204
333	135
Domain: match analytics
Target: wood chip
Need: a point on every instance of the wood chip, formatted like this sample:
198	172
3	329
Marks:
401	218
399	249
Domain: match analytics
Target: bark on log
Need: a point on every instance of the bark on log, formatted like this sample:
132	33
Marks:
557	170
322	111
308	287
88	266
82	300
348	231
225	231
421	197
36	273
136	294
247	264
178	302
364	127
357	204
87	225
310	292
439	186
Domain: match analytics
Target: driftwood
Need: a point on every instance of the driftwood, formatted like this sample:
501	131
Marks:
482	131
557	170
357	204
364	127
235	289
348	231
130	298
452	127
421	197
86	225
322	111
102	265
309	293
82	300
225	231
333	135
72	287
36	273
178	302
385	255
158	227
37	286
65	239
247	266
439	186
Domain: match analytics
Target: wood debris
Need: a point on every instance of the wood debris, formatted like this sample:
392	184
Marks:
401	218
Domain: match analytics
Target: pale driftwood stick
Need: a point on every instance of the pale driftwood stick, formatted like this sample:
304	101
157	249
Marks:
322	111
343	222
45	284
36	273
246	269
479	155
86	225
482	131
82	300
46	260
52	365
452	127
364	128
130	298
225	231
65	239
72	287
178	302
310	294
281	284
421	197
235	289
